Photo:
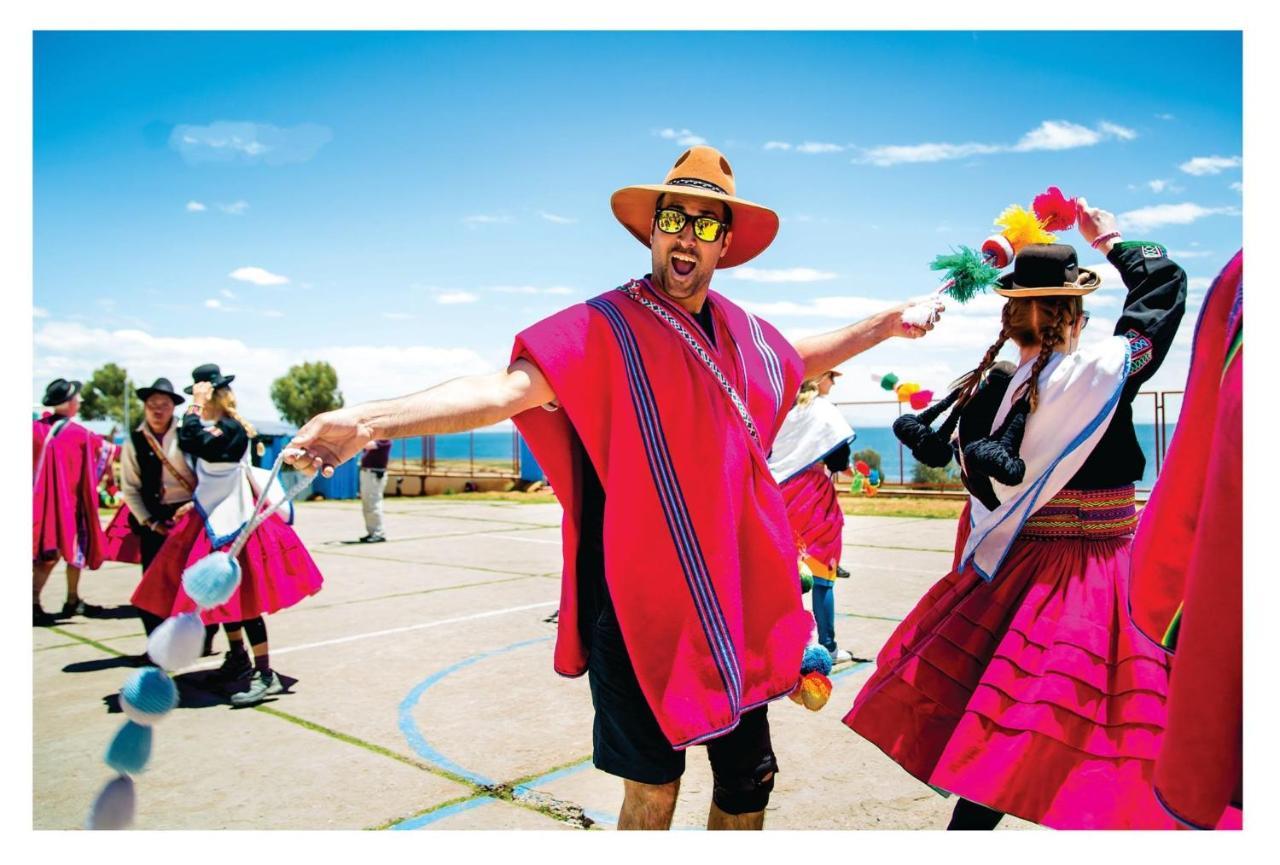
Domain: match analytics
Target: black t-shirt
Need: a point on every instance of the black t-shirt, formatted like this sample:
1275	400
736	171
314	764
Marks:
224	442
1153	308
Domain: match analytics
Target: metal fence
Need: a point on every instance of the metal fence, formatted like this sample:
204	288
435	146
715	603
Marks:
457	455
1157	409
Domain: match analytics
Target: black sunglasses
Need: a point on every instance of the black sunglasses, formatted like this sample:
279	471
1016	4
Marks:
705	228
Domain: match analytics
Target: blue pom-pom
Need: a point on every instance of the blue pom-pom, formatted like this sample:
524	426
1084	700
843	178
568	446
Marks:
148	696
816	659
113	809
212	580
130	750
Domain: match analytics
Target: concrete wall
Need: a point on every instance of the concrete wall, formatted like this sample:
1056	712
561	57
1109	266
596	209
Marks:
416	485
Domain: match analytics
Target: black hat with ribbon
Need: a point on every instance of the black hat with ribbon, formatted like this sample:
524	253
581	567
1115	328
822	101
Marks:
60	390
162	386
211	373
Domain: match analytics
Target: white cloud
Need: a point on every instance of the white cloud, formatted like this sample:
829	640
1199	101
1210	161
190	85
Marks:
195	207
1146	218
683	137
228	293
842	309
398	316
777	145
258	276
1157	185
1049	135
247	142
532	289
1176	254
558	220
789	274
1202	165
485	219
213	303
819	147
456	297
39	312
71	350
235	208
1238	186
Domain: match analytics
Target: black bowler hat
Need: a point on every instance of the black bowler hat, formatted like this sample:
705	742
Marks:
1047	270
60	390
162	385
209	372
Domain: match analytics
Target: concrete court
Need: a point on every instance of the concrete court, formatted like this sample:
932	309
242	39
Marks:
425	699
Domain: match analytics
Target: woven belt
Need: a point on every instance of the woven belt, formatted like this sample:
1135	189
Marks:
1105	513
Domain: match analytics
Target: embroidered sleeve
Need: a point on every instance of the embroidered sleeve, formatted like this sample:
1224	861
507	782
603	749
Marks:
1155	300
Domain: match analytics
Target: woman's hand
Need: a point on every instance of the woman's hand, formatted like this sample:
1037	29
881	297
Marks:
1094	223
201	392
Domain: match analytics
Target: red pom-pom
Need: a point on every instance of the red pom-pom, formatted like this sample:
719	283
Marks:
999	250
1054	209
921	399
862	468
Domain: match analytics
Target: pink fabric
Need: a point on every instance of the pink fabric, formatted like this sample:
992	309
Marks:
1032	694
1188	555
122	544
65	494
699	557
816	518
276	572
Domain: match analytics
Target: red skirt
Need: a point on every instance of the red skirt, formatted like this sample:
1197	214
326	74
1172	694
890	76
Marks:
1033	694
122	545
276	572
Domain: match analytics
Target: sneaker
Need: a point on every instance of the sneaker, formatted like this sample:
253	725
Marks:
235	666
39	618
372	539
842	573
261	686
74	607
841	656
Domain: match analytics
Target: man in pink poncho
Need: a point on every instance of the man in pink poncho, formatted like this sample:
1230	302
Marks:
67	462
652	408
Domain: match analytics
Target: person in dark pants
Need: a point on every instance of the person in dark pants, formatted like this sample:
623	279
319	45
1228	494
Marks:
156	481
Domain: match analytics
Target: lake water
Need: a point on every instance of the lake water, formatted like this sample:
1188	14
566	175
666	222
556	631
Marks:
498	445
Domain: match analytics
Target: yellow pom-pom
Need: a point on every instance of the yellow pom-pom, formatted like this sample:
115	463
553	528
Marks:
1022	227
813	691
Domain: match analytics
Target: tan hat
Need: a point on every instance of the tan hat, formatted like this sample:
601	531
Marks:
701	171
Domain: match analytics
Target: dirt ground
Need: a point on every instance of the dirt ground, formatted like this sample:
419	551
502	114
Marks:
422	695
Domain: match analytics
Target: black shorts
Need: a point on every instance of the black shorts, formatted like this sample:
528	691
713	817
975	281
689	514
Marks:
629	743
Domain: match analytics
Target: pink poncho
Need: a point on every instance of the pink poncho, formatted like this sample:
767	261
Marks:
699	557
64	492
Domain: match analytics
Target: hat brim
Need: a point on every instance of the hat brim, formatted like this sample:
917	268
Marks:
145	393
217	383
1086	282
754	226
75	389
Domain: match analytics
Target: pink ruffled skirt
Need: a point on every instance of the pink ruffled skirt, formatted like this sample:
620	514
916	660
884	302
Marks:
276	572
1032	694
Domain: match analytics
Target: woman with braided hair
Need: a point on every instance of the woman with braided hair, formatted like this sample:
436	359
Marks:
1018	682
276	569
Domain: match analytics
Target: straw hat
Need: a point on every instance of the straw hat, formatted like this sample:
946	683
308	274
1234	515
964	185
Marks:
1047	270
704	172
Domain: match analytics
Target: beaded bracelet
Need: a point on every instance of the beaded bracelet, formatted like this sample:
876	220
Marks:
1103	238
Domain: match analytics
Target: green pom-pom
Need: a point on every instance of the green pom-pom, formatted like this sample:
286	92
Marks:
806	583
969	272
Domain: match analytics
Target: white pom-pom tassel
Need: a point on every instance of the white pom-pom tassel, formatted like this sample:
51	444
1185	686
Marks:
178	642
114	807
922	313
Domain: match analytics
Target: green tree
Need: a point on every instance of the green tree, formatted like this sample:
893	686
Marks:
870	456
948	474
104	395
305	391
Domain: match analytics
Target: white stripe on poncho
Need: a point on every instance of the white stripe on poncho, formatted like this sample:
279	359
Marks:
808	433
1079	393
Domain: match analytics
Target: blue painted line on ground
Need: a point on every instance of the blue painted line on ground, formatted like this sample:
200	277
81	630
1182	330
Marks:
428	819
847	670
409	727
529	786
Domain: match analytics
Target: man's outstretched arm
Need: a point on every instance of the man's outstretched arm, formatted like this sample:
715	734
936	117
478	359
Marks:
332	438
825	351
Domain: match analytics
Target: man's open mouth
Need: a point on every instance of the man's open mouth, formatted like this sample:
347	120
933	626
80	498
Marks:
683	264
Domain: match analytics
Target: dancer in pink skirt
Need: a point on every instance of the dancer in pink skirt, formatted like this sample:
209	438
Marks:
1018	682
813	444
276	569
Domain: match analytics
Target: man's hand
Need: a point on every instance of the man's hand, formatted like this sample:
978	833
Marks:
327	441
915	318
1094	223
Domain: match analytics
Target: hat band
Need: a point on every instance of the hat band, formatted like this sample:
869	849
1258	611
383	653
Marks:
697	183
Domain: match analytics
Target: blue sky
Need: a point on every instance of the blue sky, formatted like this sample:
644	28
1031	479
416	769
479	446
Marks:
400	204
